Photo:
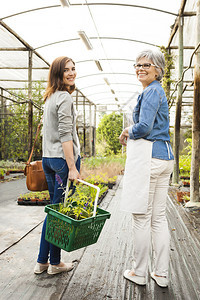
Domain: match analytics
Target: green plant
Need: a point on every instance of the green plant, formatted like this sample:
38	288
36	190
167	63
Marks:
103	189
185	164
1	172
186	198
14	165
108	133
98	161
14	127
187	180
106	167
78	204
112	180
100	178
169	63
185	159
35	195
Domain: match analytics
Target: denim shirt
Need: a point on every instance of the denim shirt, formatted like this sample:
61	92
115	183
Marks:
151	118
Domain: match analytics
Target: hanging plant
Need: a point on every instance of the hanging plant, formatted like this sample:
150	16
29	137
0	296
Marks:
169	64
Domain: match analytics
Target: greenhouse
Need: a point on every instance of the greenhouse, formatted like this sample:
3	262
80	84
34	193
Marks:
103	39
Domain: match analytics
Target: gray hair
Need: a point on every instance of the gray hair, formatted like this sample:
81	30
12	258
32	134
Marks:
157	59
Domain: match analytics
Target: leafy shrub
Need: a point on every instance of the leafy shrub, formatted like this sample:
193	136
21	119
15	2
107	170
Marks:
14	128
108	131
185	159
184	164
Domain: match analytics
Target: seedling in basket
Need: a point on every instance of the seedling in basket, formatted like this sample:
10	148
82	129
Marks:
71	233
79	204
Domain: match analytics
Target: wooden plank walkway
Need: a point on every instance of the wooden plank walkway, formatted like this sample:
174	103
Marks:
98	272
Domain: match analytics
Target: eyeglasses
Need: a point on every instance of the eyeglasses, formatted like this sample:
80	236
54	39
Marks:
143	66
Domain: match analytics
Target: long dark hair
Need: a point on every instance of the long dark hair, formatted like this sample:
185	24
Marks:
55	77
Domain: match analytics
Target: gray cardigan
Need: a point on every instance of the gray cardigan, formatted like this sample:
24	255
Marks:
59	125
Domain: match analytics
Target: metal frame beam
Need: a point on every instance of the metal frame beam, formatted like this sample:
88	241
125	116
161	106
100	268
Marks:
97	38
27	46
91	4
103	84
105	73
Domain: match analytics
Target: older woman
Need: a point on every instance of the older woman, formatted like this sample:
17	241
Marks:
150	163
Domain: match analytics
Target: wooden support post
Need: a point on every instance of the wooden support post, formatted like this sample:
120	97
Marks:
77	99
3	120
194	172
30	106
94	132
177	124
77	110
90	129
84	128
167	75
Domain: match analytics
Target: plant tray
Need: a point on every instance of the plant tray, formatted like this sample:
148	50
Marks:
70	234
32	201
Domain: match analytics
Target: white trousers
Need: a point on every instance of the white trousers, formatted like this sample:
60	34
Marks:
153	225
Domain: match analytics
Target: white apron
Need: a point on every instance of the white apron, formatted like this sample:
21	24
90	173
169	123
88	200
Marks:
136	181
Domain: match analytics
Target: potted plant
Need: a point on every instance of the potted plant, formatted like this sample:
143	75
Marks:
186	198
27	199
20	200
185	176
45	197
186	182
111	182
180	195
1	173
103	192
34	198
7	172
102	179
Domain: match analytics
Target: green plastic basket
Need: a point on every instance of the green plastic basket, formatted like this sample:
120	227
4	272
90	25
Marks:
70	234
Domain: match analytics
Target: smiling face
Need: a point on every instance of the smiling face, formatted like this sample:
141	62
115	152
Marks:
69	74
146	76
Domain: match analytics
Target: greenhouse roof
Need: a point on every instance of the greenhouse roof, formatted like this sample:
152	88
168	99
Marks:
102	37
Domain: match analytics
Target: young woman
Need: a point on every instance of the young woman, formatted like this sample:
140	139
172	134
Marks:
61	150
149	163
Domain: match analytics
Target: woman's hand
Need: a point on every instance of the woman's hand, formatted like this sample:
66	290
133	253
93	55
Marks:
69	156
73	174
123	136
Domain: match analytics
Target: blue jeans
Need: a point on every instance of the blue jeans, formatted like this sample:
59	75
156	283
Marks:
53	166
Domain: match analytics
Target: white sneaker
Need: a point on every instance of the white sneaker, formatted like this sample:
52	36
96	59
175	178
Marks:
141	280
53	269
161	281
40	268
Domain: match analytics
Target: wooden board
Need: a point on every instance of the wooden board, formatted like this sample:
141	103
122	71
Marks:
99	268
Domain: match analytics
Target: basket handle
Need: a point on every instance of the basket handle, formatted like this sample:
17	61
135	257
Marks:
93	186
97	194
